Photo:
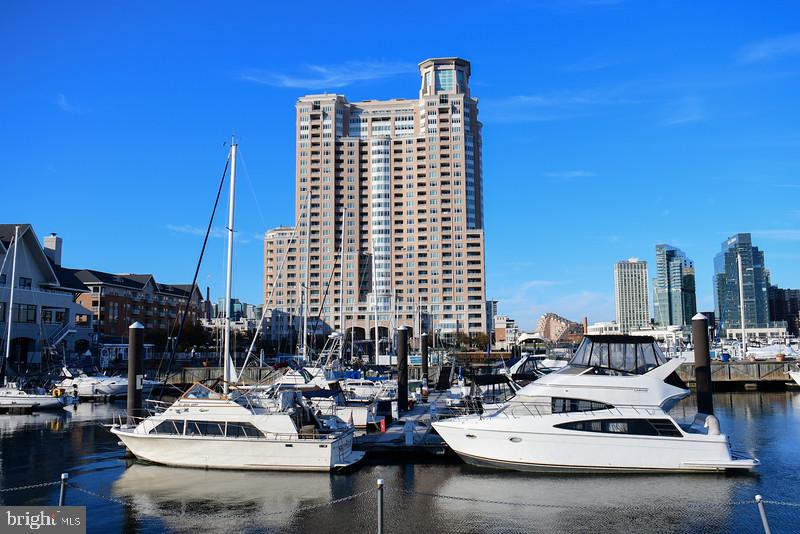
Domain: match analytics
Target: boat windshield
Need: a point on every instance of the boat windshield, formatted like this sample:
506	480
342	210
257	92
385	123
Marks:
618	354
199	391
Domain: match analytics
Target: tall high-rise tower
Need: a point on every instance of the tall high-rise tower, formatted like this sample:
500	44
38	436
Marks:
630	294
674	299
390	210
726	284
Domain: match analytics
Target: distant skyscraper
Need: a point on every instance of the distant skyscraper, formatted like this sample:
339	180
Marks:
726	284
674	300
784	305
630	294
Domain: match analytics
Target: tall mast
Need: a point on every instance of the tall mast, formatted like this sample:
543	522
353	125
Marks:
229	267
308	274
375	309
10	310
341	285
741	305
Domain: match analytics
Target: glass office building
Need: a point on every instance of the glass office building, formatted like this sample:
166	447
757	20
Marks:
674	298
726	284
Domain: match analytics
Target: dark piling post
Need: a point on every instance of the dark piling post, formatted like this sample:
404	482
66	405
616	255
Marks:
402	369
424	356
135	368
380	506
702	364
62	495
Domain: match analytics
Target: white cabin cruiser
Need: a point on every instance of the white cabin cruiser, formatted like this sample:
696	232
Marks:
210	430
605	411
36	399
91	385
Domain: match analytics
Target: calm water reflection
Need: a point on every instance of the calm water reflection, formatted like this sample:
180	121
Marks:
38	448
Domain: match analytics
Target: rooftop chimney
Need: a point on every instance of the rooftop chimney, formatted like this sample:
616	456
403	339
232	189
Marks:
52	247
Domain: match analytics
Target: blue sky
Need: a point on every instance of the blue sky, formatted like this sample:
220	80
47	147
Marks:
609	126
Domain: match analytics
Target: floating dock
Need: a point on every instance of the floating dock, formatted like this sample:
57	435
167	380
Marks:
747	375
411	434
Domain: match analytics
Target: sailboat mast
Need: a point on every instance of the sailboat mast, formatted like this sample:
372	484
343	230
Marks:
375	310
308	274
341	286
741	305
10	310
228	272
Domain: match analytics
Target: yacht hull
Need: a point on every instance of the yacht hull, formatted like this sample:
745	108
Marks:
239	453
37	402
549	450
795	375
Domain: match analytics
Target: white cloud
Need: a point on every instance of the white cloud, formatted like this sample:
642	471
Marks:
781	234
64	104
549	107
590	64
570	175
771	49
330	76
687	110
216	233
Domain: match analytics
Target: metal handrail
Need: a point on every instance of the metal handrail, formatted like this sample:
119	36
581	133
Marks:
518	409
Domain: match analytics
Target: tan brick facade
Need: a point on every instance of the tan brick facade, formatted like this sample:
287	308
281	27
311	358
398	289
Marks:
396	186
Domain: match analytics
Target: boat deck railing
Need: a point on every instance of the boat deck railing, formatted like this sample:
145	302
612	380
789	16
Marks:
516	409
180	428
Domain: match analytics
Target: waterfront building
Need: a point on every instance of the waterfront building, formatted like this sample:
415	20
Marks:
47	319
674	298
726	284
491	311
603	328
784	305
119	300
671	336
631	295
555	328
506	332
389	212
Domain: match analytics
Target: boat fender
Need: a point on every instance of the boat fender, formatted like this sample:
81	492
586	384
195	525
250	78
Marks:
712	424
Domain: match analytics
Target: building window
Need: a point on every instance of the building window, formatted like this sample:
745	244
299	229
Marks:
24	313
445	81
2	312
2	279
24	283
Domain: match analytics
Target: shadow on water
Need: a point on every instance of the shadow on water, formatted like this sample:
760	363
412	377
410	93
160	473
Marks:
437	496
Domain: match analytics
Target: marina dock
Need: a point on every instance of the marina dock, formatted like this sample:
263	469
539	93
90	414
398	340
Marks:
766	374
411	434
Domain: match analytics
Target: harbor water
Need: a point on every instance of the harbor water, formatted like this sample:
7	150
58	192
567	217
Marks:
420	496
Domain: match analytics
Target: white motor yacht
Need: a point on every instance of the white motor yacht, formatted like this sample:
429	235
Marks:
210	430
605	411
86	385
37	399
795	375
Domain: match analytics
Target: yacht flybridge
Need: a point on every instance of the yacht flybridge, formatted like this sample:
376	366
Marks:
607	410
209	430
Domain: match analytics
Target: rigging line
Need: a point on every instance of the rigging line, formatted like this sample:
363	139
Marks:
5	257
194	280
272	290
325	294
252	189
